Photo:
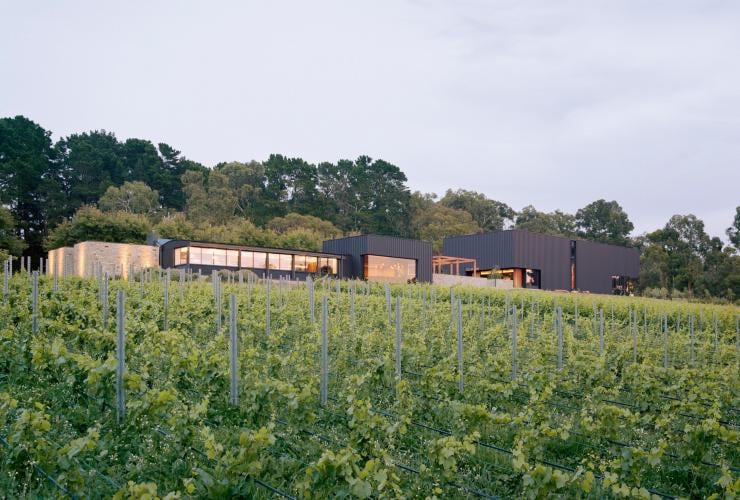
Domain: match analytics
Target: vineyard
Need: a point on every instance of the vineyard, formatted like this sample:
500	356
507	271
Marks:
180	386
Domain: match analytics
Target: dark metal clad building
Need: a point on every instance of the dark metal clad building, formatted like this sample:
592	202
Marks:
384	258
598	264
535	260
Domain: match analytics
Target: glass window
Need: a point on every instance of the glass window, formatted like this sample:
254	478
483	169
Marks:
272	261
196	255
181	256
283	262
312	264
219	256
532	278
392	269
300	263
206	256
260	260
247	259
331	265
232	258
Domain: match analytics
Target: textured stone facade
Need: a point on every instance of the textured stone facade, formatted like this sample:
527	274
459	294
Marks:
116	259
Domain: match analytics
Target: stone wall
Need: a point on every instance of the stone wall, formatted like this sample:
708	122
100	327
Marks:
115	259
61	262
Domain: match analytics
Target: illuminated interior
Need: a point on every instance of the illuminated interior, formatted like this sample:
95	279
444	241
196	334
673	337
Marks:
255	260
390	269
522	278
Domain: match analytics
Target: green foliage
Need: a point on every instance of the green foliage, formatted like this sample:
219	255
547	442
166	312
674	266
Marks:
89	223
604	221
433	222
293	221
604	426
490	215
10	244
133	197
28	177
733	232
556	223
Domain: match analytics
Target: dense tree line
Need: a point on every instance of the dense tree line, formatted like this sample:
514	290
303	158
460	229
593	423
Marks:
93	186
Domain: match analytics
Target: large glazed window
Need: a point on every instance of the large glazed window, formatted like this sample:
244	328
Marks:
392	269
232	258
260	260
181	256
195	255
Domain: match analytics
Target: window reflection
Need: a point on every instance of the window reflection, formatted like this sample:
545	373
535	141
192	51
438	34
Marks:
247	259
377	268
219	256
300	263
181	256
195	255
260	260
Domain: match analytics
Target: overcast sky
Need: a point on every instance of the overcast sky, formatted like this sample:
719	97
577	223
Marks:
550	103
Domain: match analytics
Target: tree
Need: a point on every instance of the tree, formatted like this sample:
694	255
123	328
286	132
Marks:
293	222
291	185
92	162
168	182
9	242
196	195
89	223
604	221
241	184
28	178
653	268
555	223
721	273
132	197
365	196
733	232
432	221
490	215
686	244
175	226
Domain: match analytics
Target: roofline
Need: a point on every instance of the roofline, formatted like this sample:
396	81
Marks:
373	235
514	230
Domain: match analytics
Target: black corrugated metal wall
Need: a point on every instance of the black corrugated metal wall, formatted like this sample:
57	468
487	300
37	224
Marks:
597	262
388	246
